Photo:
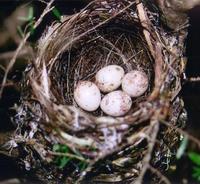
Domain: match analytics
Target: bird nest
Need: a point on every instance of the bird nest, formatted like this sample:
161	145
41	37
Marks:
59	141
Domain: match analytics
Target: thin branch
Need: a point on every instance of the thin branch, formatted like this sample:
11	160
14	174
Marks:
155	49
155	128
8	55
22	43
8	84
11	181
190	137
145	22
193	79
159	174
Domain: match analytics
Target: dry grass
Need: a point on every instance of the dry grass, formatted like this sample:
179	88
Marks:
105	32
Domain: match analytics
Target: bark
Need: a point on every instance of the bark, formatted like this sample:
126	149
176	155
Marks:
175	11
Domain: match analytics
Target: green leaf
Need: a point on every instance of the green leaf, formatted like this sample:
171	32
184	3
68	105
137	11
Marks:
196	173
60	148
30	13
56	147
182	148
29	17
31	28
25	19
196	169
30	21
56	13
194	157
19	30
64	149
63	162
82	166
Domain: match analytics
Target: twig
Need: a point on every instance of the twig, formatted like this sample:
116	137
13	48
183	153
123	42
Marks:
8	84
192	138
11	181
22	43
159	174
145	22
8	55
159	75
101	156
155	49
67	155
193	79
118	52
92	29
155	128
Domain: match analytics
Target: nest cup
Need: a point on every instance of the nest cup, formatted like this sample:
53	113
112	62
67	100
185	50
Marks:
104	33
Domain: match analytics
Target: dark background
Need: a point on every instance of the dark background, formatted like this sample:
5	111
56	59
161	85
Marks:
190	91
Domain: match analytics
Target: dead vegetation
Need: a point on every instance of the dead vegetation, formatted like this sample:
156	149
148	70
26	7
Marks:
130	34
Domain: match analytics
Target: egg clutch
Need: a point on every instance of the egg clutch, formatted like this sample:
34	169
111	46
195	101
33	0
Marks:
116	101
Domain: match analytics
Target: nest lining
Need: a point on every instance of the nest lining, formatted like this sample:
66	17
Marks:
86	60
106	32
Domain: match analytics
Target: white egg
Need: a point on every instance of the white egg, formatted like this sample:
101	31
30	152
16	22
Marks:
87	95
135	83
109	78
116	103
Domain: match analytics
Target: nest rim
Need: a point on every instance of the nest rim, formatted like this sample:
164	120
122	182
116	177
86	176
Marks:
52	102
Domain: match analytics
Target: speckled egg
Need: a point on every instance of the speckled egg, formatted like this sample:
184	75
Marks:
116	103
135	83
109	78
87	95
